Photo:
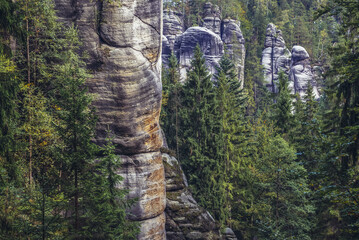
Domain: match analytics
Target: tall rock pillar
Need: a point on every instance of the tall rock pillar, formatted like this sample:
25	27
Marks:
123	41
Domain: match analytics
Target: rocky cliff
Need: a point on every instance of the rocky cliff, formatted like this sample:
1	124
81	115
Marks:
215	37
123	40
295	64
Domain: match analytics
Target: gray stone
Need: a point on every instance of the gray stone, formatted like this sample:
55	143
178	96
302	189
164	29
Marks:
301	72
209	42
275	57
233	40
123	42
185	219
212	18
172	28
209	36
295	64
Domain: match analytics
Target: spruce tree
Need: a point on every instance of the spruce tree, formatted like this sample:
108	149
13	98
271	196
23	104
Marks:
197	151
231	133
283	107
172	103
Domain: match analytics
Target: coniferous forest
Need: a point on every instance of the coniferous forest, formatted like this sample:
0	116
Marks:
269	165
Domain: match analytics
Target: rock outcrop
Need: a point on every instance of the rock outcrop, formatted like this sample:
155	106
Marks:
212	18
209	42
215	36
123	41
301	72
275	57
295	64
172	28
233	39
184	218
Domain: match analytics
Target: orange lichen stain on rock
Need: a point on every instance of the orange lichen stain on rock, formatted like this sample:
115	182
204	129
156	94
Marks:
151	125
151	54
155	206
158	191
157	175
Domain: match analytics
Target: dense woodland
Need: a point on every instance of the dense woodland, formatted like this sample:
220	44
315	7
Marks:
270	166
51	184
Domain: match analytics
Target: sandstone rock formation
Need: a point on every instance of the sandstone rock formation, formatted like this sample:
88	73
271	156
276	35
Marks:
275	57
295	64
124	45
212	18
210	43
172	28
214	37
234	41
301	72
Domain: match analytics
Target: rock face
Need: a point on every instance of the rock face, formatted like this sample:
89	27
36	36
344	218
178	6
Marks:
210	43
172	28
301	72
184	218
213	36
275	57
234	41
212	18
124	44
295	64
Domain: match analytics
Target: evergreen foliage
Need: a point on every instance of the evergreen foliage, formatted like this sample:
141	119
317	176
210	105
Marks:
51	186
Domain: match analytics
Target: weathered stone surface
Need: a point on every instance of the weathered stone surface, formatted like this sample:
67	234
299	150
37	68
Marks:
185	219
143	175
275	57
210	43
212	18
295	64
233	39
172	28
301	72
153	228
211	36
124	44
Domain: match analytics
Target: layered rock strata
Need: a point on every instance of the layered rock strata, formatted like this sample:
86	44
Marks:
185	219
295	64
123	40
214	36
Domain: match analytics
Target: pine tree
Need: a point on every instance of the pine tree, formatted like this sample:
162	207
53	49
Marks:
197	150
105	202
170	110
283	106
230	113
76	127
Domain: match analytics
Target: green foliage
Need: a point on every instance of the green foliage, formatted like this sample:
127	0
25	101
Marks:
171	103
283	106
198	144
51	187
